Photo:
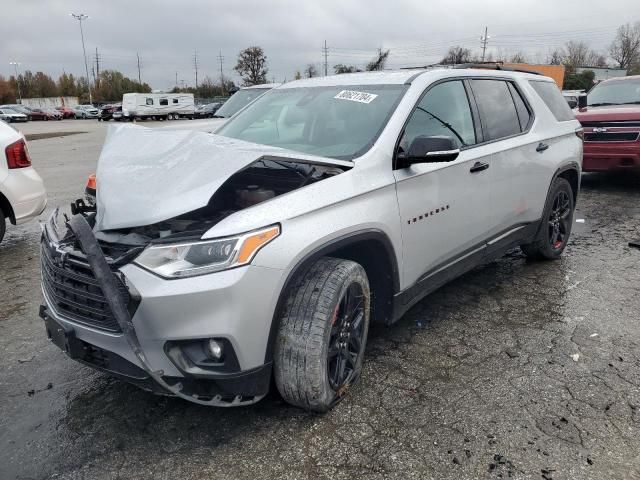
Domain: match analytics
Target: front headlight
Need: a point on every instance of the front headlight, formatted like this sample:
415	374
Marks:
201	257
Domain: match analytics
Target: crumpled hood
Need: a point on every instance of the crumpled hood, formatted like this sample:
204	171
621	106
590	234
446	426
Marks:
146	176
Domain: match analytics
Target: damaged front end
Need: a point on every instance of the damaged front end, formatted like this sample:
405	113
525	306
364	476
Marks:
84	256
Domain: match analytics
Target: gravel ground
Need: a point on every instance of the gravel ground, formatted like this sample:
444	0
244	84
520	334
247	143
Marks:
516	370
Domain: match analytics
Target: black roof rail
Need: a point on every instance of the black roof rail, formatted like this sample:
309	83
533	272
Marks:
495	66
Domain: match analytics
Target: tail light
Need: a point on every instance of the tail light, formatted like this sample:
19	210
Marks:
580	133
18	155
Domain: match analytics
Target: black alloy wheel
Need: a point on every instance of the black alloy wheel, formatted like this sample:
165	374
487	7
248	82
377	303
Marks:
345	341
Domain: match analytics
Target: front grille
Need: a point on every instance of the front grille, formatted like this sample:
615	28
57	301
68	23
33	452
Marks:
611	137
74	291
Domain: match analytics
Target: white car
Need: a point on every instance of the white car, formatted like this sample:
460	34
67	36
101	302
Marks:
266	249
9	115
22	193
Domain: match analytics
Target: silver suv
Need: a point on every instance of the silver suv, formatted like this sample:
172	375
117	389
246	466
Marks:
216	262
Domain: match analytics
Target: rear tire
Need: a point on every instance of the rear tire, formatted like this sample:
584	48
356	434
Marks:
555	228
322	334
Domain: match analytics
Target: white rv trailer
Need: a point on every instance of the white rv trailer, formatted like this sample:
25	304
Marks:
168	106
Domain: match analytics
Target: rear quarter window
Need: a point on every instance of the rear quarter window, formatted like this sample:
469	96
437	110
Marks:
552	97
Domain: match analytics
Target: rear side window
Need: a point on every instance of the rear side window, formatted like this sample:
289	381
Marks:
175	100
552	97
523	112
164	101
149	101
497	111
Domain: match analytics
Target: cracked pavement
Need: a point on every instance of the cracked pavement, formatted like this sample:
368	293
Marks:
515	370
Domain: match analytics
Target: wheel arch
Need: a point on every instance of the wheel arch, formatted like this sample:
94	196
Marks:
370	248
571	173
7	209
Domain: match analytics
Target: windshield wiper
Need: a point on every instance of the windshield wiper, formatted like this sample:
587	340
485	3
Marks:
444	124
603	104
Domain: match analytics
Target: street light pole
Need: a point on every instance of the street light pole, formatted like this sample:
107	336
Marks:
80	17
15	66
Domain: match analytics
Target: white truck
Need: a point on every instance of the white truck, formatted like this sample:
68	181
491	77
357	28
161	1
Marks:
161	106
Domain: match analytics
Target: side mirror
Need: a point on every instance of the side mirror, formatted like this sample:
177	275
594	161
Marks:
424	149
582	101
572	103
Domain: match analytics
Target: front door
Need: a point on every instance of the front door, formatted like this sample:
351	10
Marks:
444	207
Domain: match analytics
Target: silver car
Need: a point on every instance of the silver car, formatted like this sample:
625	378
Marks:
267	249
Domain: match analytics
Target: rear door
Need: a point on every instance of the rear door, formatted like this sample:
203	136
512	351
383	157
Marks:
444	206
506	118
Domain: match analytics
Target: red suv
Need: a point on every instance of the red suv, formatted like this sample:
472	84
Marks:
611	124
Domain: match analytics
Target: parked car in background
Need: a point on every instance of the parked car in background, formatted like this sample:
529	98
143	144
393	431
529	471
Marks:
611	124
22	193
19	108
106	112
207	111
39	114
117	113
85	111
571	96
325	205
66	112
9	115
53	113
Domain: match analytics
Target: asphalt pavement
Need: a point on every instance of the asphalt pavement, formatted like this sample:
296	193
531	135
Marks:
515	370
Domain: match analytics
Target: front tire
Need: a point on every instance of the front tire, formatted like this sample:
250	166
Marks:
557	220
322	334
3	225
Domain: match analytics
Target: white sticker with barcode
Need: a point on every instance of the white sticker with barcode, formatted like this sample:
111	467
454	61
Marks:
354	96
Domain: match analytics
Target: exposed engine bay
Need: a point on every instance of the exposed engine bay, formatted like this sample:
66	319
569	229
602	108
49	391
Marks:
261	181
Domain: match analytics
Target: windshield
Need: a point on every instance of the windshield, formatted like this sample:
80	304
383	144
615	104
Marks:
239	100
618	92
9	111
338	122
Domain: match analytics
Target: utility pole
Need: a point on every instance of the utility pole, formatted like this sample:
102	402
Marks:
195	64
15	66
484	40
176	79
97	67
80	17
221	58
139	77
325	50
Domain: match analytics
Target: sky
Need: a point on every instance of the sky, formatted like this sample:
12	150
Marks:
166	34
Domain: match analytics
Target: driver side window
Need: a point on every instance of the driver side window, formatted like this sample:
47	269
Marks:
443	111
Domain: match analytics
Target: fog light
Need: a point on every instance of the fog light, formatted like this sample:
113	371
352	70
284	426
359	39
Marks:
213	349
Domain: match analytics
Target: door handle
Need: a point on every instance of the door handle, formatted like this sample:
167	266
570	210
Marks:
478	167
541	147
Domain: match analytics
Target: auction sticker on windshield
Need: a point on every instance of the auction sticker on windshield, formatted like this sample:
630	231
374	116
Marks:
353	96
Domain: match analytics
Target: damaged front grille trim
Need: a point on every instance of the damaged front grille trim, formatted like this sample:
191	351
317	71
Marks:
85	237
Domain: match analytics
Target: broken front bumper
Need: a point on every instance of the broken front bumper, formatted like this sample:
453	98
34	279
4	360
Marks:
161	317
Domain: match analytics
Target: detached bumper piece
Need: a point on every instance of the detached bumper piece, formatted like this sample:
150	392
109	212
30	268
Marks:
215	388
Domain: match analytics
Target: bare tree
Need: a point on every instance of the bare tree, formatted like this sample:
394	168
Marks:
518	57
576	54
595	59
556	57
457	55
252	66
625	49
310	71
379	61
